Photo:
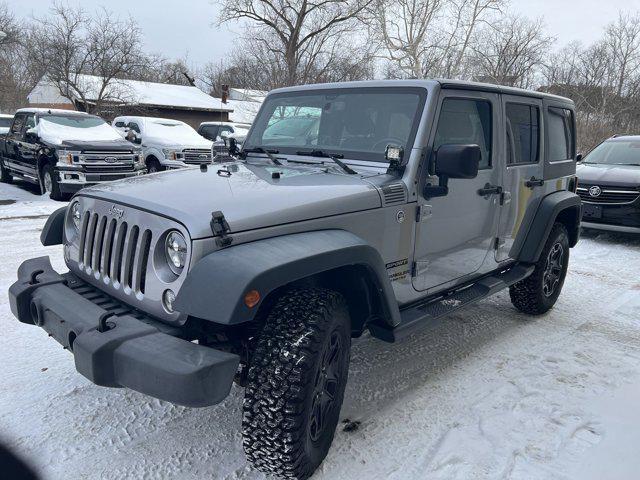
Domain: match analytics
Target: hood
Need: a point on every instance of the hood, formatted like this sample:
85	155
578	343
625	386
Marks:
248	196
101	145
613	175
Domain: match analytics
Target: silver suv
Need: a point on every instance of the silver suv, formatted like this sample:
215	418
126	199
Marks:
406	201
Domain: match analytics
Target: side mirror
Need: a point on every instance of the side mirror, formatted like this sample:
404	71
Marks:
458	161
579	158
232	144
453	161
31	135
133	137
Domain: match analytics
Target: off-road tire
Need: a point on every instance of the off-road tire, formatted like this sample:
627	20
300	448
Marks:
55	193
153	165
5	176
529	295
280	434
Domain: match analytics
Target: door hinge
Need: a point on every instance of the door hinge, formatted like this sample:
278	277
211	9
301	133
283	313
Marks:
220	229
414	269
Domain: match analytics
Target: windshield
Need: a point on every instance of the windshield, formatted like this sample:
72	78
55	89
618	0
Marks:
616	152
5	122
59	128
175	131
357	123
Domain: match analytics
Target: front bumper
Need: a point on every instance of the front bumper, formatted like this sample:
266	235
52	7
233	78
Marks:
612	217
116	346
71	180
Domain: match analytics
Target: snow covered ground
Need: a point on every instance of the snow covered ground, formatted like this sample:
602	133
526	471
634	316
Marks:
485	393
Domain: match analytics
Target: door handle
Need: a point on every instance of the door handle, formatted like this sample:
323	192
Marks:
534	182
489	189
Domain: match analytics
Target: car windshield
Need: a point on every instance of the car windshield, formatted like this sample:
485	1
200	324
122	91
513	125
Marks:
357	123
5	122
616	152
59	128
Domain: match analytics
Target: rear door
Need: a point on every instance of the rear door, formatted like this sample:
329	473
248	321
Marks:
523	153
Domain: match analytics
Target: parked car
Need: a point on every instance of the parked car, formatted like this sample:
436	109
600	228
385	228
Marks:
418	198
609	185
300	128
166	143
63	151
5	123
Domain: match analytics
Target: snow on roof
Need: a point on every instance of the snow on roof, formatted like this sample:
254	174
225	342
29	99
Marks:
243	111
247	94
50	110
136	92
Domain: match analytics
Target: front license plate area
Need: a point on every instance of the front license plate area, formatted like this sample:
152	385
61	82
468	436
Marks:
592	211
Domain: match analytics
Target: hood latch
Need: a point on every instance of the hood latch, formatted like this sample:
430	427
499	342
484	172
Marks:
220	228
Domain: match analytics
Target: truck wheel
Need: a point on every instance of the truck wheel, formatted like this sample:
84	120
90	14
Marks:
537	293
153	166
296	383
50	183
5	176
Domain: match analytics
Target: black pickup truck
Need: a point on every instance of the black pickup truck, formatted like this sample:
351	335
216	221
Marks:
62	151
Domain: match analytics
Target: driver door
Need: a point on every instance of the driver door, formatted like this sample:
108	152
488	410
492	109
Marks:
455	233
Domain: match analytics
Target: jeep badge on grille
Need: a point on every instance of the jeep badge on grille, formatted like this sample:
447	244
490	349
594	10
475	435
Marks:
116	212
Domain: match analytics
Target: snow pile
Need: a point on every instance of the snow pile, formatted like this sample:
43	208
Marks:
57	134
174	133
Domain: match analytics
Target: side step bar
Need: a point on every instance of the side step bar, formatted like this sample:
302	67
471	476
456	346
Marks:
417	316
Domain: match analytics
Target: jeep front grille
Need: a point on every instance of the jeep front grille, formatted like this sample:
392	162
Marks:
197	155
608	195
115	251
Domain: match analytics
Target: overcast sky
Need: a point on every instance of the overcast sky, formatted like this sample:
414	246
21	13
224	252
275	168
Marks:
186	28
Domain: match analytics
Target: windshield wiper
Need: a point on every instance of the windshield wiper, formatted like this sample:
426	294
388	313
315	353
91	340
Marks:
333	156
268	153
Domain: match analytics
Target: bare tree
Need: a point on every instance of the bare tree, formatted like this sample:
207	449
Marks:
424	38
304	36
623	41
72	44
511	51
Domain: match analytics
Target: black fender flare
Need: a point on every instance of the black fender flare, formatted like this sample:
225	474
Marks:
215	287
52	233
564	206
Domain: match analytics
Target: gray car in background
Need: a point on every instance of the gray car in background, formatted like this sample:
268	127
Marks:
381	207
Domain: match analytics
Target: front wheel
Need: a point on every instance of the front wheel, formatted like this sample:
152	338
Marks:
296	383
153	166
49	183
539	292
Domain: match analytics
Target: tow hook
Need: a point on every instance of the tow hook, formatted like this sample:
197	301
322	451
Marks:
103	325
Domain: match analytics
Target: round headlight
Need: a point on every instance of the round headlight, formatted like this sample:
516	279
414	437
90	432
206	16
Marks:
76	215
176	251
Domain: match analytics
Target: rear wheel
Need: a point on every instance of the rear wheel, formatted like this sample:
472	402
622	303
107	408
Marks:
5	176
296	383
539	292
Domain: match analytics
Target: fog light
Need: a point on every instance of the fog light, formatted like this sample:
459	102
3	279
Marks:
168	297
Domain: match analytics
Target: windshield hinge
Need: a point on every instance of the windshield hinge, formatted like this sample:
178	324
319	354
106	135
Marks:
220	228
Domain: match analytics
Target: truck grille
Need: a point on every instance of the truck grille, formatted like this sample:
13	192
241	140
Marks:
106	158
115	251
608	195
197	155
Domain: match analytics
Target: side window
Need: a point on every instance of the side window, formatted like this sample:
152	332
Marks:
561	134
224	128
18	123
523	133
134	127
30	122
119	124
466	121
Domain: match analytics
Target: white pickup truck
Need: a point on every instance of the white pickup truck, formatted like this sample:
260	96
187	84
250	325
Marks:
166	143
5	123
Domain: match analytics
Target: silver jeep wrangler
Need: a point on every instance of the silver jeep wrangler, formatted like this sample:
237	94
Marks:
368	206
